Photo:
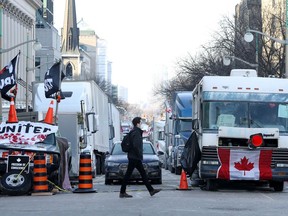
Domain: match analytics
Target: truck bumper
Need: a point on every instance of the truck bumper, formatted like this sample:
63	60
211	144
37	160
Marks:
210	163
210	172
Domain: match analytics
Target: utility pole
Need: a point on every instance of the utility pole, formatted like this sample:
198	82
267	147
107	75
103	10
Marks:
286	45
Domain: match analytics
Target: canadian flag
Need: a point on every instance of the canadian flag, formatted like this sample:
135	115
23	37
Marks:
241	164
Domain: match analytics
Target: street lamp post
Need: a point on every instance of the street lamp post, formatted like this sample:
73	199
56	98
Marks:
226	61
36	46
286	46
248	37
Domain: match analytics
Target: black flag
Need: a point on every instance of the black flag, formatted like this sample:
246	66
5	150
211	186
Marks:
52	80
8	85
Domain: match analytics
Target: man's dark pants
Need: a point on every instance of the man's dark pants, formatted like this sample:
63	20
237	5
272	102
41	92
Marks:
139	166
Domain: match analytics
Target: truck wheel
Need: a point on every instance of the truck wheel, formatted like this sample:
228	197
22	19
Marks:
277	185
98	165
172	169
178	170
14	184
211	185
103	164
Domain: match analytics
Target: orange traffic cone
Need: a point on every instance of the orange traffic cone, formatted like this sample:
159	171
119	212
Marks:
49	115
183	182
12	118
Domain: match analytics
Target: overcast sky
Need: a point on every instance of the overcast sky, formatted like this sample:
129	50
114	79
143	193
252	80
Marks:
146	37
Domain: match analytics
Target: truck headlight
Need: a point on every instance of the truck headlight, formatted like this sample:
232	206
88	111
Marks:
281	165
210	162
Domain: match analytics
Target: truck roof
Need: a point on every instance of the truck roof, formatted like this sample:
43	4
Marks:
79	90
244	84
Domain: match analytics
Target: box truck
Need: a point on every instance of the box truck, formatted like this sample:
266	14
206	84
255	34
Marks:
86	118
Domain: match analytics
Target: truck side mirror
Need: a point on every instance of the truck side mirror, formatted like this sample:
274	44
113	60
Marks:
195	124
91	122
83	142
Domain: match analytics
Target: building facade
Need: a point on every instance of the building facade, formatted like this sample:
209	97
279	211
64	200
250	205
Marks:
18	20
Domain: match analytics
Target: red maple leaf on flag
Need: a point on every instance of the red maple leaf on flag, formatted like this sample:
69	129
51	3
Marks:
244	165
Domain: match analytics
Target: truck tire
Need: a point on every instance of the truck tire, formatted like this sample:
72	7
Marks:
178	170
14	184
103	164
277	185
98	165
211	185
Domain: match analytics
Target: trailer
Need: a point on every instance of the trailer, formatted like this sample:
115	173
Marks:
86	118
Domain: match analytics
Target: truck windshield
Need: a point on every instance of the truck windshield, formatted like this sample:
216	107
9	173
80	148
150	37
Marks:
245	114
185	125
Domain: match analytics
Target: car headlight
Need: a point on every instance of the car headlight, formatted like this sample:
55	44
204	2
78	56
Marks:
155	163
112	164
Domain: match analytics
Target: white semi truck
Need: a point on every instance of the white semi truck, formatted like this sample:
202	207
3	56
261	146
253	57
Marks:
241	122
86	118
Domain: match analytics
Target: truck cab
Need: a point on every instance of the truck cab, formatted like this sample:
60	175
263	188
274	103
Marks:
182	128
229	112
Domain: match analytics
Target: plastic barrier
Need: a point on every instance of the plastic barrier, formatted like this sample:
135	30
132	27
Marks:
85	184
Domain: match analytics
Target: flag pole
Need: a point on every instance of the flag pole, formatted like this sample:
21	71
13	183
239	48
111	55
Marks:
58	94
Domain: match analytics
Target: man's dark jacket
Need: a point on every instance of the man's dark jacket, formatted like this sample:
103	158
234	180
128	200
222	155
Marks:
136	140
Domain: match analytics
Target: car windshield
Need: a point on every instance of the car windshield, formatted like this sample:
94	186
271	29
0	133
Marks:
147	149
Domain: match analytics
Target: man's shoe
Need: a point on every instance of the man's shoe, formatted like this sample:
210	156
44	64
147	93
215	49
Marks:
125	195
153	192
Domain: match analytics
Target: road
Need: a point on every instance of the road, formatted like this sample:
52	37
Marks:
226	201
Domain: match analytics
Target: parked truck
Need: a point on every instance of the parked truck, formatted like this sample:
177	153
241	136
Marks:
241	122
181	128
86	118
157	137
168	134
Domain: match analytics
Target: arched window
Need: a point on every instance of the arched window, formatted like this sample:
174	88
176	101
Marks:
69	71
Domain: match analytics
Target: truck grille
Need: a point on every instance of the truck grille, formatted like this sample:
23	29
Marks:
237	142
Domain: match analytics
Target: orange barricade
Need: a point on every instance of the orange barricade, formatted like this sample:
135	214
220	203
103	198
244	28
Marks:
85	184
40	183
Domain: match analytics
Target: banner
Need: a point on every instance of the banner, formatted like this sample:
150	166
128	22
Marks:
25	132
241	164
8	86
52	80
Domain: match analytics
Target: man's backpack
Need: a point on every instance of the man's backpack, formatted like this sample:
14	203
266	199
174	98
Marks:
126	145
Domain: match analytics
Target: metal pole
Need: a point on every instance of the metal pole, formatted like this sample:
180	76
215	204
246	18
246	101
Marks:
1	16
256	54
27	85
286	45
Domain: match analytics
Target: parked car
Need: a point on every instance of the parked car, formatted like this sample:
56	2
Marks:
116	164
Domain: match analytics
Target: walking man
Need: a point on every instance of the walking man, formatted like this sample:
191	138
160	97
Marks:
135	157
